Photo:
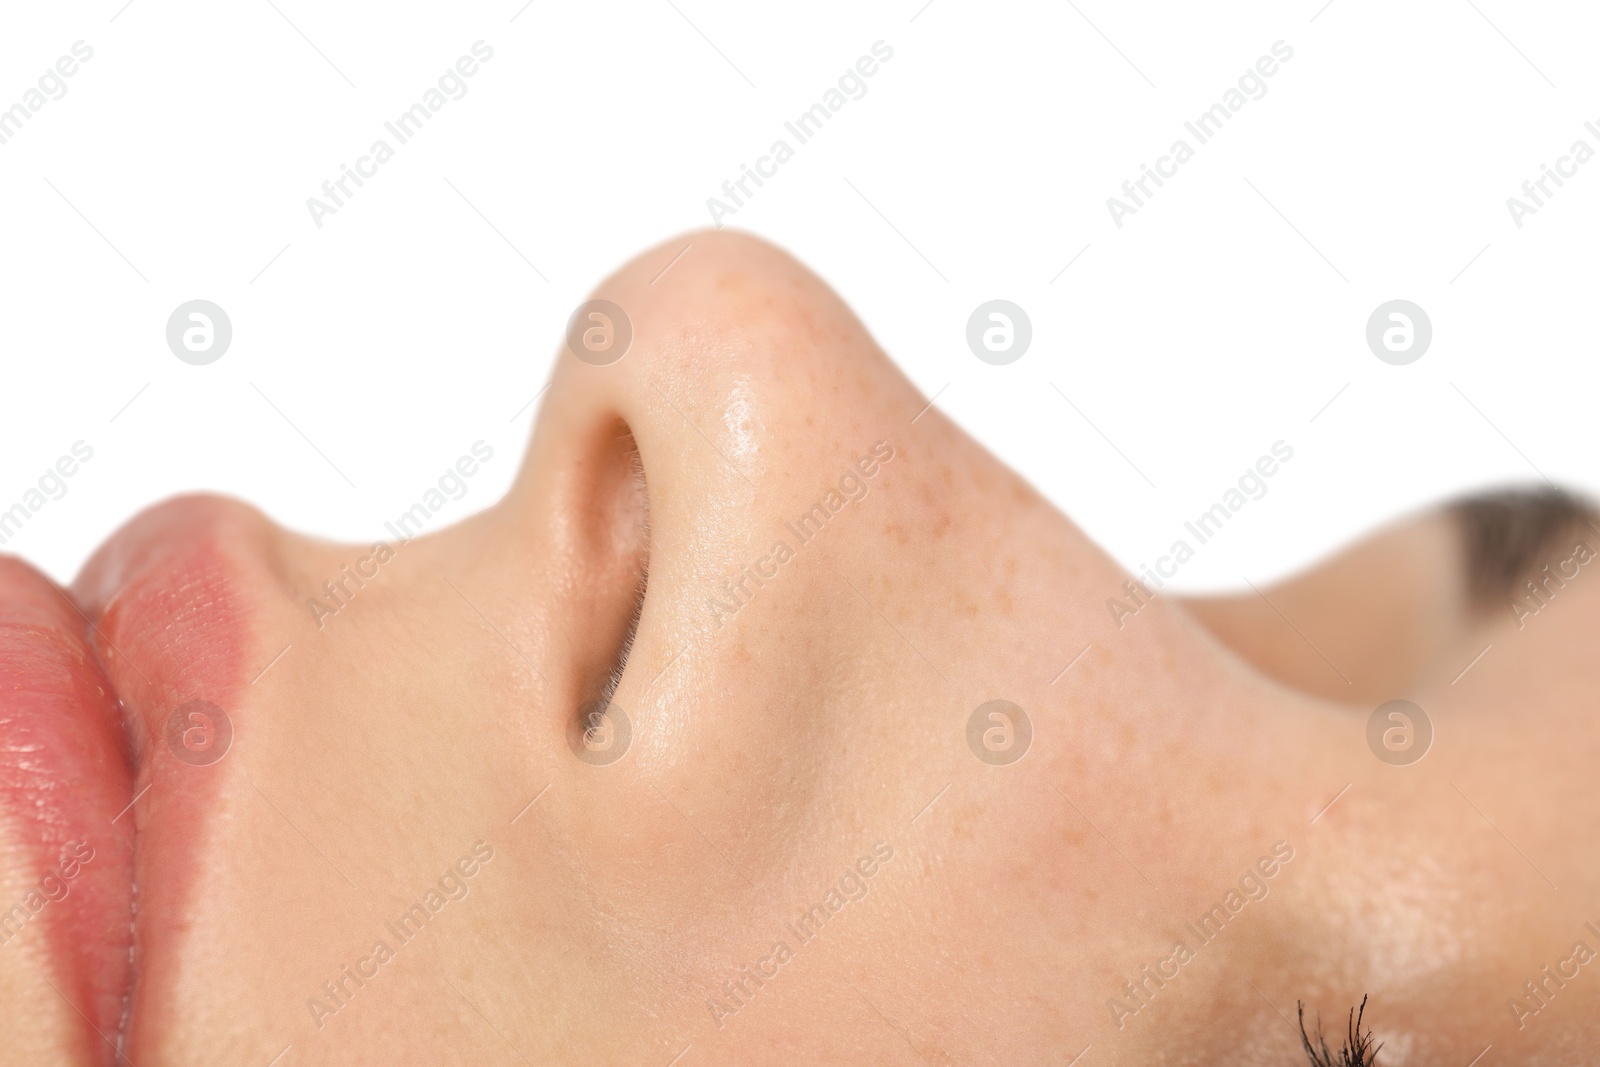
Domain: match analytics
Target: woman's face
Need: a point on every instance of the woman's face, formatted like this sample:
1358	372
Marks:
769	719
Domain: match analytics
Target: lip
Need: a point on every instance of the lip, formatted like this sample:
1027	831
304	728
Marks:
65	778
171	633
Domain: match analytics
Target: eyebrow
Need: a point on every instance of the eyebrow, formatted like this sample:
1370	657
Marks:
1507	534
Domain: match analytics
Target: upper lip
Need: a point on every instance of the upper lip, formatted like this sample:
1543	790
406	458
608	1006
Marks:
169	627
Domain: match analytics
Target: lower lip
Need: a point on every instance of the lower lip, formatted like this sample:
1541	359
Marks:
65	779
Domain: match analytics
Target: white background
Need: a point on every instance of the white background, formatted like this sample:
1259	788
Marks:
1225	315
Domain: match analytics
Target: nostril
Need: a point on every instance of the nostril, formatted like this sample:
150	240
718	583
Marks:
610	552
625	646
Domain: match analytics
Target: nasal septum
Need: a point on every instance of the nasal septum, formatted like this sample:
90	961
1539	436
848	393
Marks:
66	836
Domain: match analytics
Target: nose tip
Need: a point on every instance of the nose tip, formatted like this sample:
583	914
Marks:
742	372
733	374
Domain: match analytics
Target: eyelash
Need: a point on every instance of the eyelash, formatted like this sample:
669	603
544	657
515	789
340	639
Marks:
1358	1050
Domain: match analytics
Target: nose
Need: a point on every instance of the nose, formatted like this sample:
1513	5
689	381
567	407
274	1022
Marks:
677	480
762	567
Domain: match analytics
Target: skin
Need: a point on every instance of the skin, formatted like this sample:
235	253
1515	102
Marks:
773	747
